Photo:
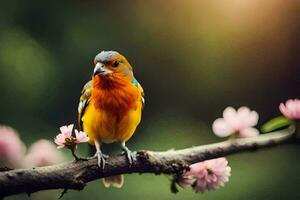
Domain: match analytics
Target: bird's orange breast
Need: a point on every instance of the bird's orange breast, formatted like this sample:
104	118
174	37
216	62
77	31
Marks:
114	110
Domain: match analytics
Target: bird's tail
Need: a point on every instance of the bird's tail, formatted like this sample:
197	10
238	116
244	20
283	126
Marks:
114	181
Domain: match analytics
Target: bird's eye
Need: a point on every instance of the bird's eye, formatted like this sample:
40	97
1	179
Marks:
116	64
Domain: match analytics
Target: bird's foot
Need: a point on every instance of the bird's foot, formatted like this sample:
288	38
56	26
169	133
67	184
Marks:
101	159
131	156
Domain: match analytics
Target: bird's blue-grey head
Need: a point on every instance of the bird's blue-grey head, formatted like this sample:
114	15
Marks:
105	56
111	62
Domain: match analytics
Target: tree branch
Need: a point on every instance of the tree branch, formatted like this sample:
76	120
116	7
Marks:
75	175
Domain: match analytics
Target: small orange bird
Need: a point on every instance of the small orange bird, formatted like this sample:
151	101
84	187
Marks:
110	107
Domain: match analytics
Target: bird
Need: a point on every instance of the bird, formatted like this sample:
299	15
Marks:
110	107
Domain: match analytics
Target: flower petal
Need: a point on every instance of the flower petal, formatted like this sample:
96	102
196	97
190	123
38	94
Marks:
60	139
247	117
232	118
60	146
67	130
210	174
81	137
291	109
284	110
221	128
249	132
253	118
229	113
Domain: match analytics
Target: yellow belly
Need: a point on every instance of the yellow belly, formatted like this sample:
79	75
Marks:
106	127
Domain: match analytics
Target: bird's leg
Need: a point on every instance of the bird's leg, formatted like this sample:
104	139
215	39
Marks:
131	156
100	156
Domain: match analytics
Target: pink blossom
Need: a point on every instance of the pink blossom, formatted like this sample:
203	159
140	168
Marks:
240	122
81	137
42	153
12	149
65	138
67	130
62	138
208	175
291	109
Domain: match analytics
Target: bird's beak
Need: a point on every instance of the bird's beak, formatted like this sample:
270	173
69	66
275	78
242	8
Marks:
101	69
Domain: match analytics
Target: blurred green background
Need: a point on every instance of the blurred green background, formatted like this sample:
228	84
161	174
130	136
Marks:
193	59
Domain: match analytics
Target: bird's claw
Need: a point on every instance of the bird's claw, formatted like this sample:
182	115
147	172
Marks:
131	156
101	159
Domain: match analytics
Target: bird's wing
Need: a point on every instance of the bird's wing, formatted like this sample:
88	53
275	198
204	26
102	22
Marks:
83	102
138	85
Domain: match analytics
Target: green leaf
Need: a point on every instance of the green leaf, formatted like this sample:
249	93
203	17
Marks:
276	123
